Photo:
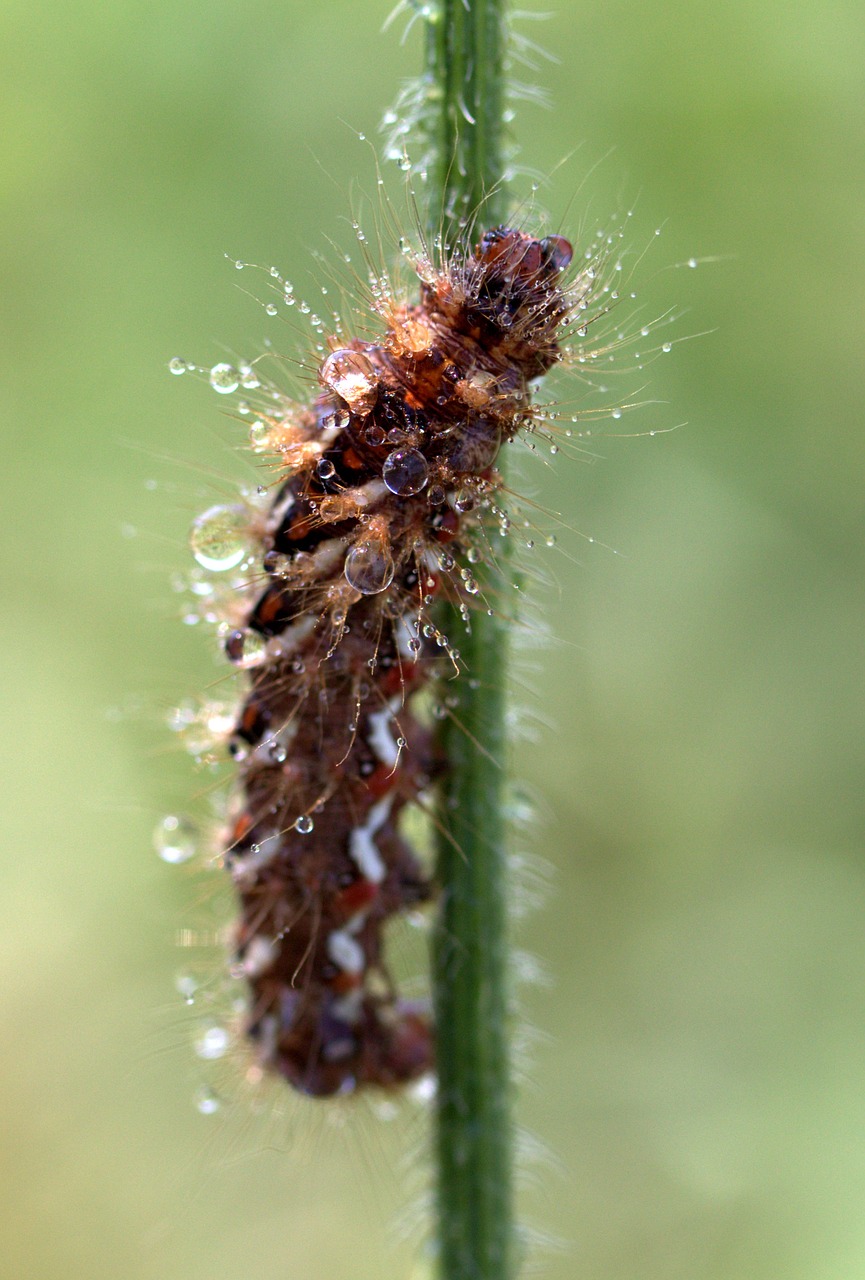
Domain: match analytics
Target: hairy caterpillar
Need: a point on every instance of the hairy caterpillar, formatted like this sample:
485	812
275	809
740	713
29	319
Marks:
384	487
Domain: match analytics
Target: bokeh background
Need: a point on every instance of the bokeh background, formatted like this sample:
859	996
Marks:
701	1073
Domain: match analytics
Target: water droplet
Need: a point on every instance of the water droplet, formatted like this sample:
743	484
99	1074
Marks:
224	378
259	436
175	840
248	377
667	346
405	472
325	469
423	1090
271	308
617	413
218	537
352	376
304	825
212	1042
249	649
464	500
369	567
692	262
177	365
207	1103
186	986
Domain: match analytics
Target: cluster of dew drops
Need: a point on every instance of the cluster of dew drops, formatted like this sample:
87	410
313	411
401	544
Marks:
221	542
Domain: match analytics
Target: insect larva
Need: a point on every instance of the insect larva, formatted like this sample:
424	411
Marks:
385	485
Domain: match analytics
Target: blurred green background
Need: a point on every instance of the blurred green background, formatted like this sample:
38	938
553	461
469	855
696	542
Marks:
701	1080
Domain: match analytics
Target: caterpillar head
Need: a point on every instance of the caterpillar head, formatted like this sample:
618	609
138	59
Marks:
512	257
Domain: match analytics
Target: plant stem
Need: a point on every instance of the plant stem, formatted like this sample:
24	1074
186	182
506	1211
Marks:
464	53
464	66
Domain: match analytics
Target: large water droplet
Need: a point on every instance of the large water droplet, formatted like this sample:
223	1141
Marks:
405	472
218	537
352	376
175	839
176	365
369	567
304	825
245	647
224	378
212	1042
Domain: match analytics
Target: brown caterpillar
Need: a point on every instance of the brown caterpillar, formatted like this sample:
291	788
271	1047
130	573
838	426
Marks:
384	485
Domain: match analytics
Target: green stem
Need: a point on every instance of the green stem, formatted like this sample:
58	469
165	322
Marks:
464	64
465	42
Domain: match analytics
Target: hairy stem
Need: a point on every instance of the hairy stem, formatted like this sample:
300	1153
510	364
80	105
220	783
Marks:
464	65
464	53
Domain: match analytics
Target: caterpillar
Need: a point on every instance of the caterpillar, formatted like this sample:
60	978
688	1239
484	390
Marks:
385	485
